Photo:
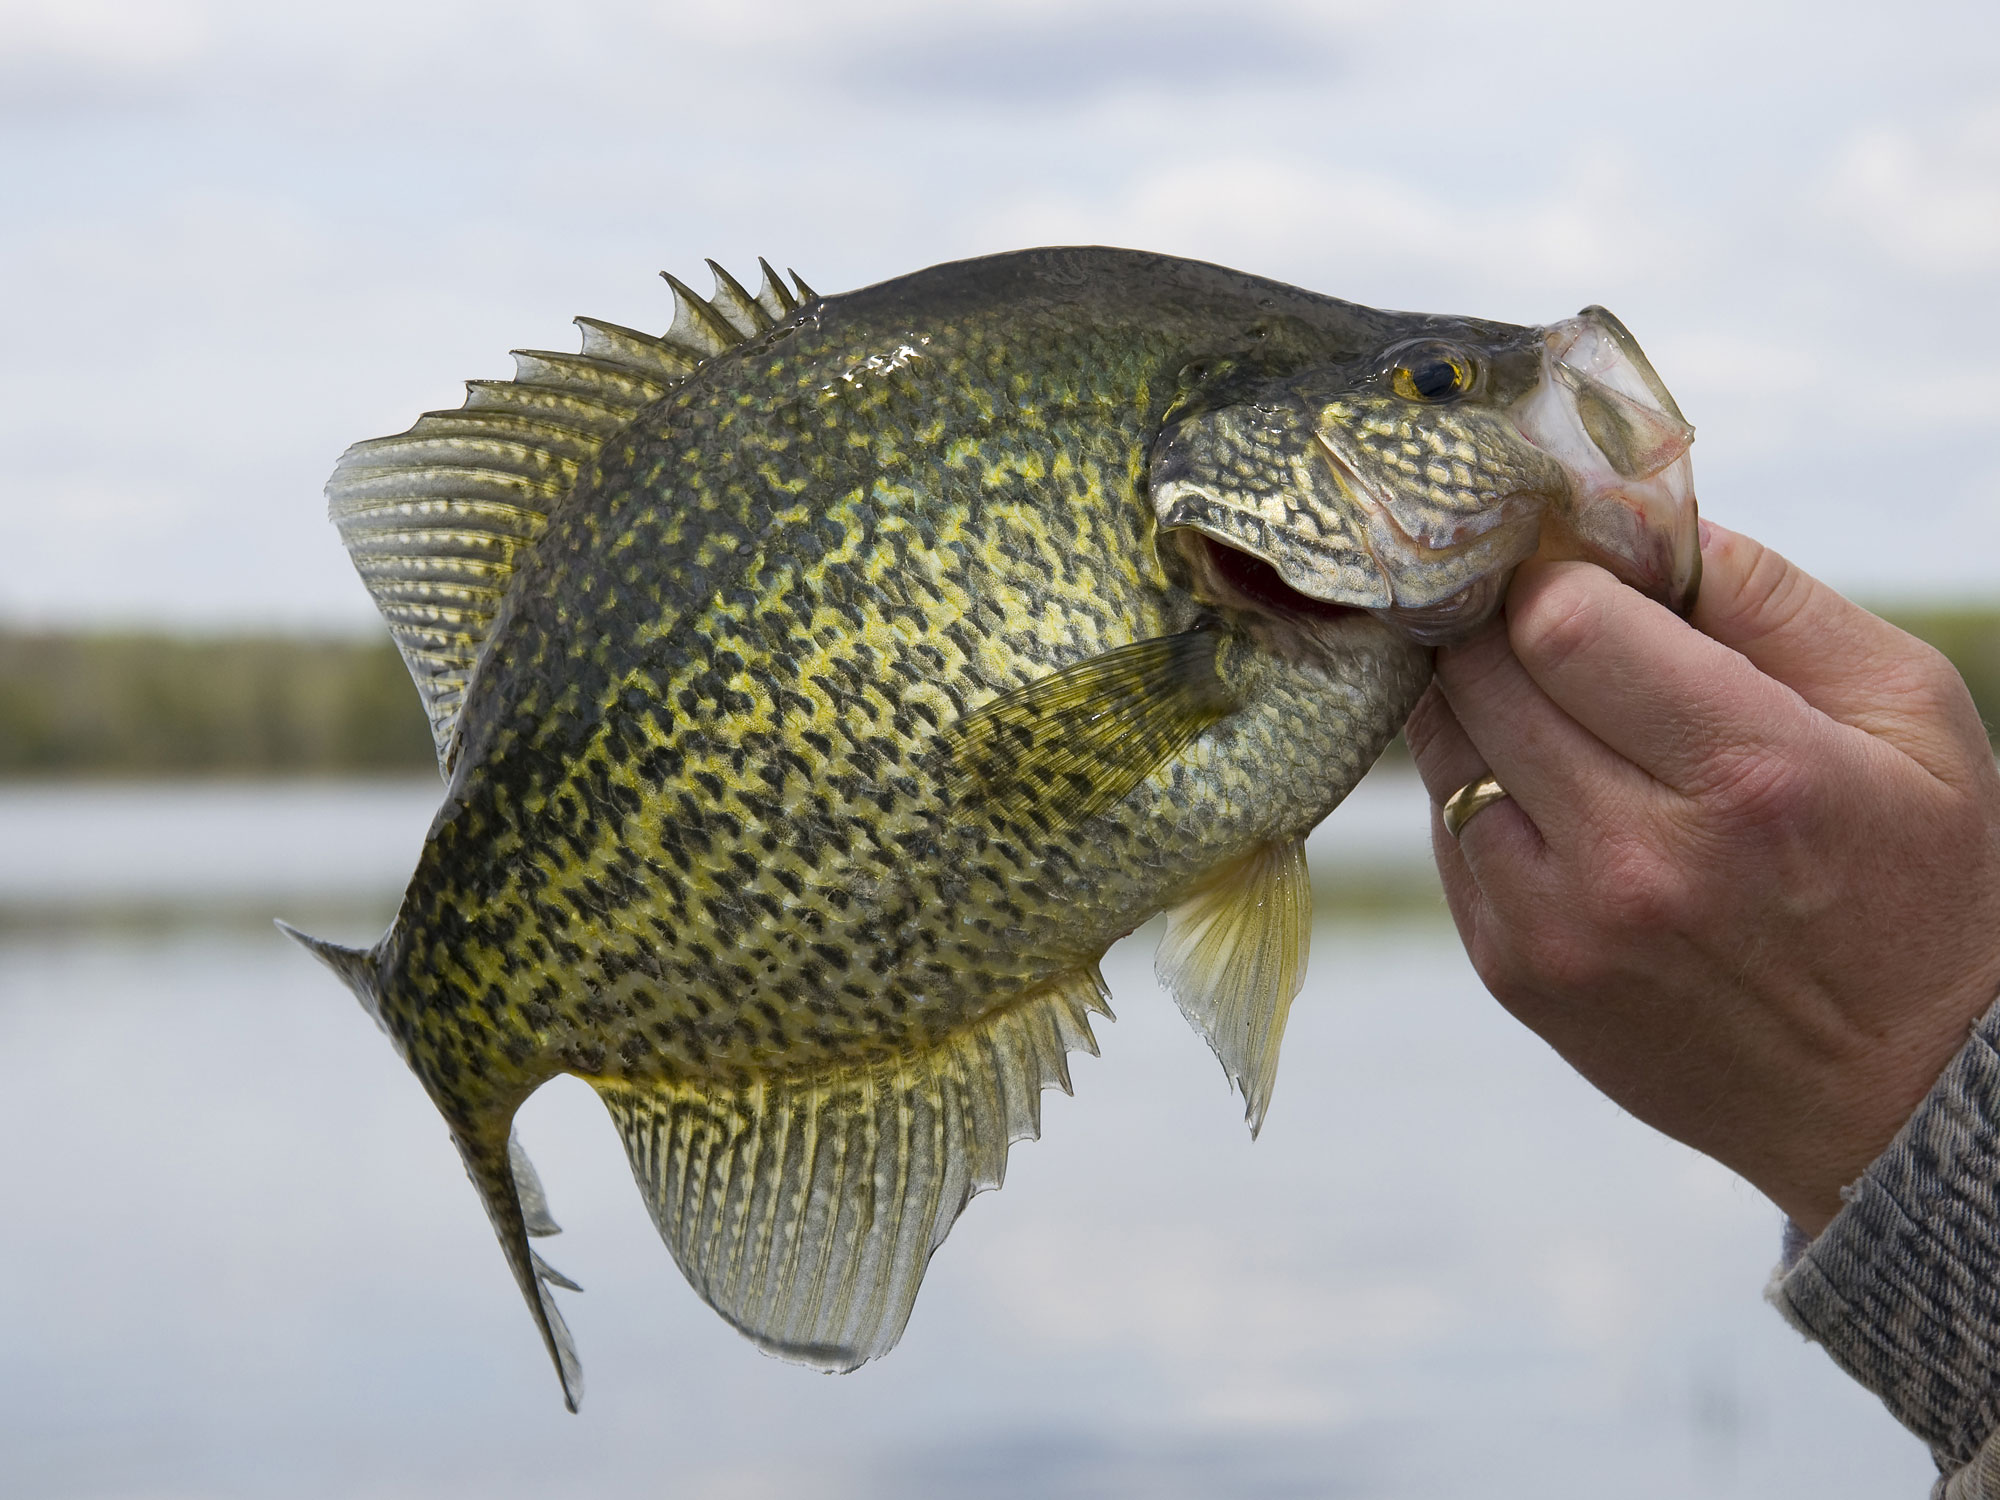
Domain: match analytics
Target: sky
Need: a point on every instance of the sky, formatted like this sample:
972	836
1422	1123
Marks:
239	236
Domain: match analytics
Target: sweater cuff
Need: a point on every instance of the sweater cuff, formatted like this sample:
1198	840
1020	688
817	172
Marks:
1903	1287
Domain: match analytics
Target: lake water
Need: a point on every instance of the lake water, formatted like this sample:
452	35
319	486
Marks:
241	1258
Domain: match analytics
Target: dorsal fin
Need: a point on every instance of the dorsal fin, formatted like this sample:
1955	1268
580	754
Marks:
438	518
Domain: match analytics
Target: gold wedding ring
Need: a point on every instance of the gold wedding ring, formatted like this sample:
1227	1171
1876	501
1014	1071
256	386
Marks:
1469	801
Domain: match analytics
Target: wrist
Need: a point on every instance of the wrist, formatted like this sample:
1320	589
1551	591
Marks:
1902	1287
1878	1079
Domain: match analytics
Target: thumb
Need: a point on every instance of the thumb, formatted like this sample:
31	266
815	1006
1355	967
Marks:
1852	666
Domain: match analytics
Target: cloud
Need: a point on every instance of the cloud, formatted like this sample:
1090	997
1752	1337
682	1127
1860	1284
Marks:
128	35
1930	201
245	234
95	58
1070	57
1370	234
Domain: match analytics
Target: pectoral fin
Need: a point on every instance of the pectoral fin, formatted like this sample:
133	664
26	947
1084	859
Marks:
1233	957
804	1210
1065	747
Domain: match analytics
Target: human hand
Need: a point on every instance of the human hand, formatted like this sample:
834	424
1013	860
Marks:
1747	879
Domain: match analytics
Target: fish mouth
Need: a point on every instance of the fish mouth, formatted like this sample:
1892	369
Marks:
1602	412
1230	576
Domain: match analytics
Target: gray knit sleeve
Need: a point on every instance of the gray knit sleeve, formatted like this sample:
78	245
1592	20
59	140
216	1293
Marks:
1903	1287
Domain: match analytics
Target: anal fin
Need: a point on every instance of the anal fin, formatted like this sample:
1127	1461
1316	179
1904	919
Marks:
535	1214
516	1208
805	1209
1233	958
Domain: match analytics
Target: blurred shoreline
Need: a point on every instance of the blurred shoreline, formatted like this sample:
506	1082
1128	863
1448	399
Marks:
142	706
333	855
153	782
147	705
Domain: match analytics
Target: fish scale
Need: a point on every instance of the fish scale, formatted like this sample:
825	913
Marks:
871	664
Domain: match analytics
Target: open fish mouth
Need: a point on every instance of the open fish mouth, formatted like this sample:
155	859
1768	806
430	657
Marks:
1230	575
1602	412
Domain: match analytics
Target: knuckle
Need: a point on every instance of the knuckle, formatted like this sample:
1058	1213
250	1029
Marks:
1556	948
1476	662
1493	961
1925	708
1577	965
1556	627
1934	689
1500	949
1772	594
1640	888
1756	787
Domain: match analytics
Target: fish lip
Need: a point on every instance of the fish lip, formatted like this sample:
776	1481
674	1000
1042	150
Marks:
1638	521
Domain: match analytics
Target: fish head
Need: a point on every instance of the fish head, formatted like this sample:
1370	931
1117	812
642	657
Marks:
1411	481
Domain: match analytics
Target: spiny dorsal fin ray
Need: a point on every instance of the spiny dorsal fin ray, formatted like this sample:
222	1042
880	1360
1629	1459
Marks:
772	292
1062	748
436	519
698	324
1233	958
737	305
804	1210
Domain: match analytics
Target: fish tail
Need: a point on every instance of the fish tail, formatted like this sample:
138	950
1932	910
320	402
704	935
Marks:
507	1182
358	968
516	1208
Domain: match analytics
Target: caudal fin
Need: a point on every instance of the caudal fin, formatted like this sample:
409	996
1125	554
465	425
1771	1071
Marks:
357	967
506	1179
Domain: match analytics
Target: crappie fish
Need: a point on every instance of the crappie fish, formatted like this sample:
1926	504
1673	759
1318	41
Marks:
822	686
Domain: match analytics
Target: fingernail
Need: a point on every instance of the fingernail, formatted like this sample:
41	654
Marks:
1706	532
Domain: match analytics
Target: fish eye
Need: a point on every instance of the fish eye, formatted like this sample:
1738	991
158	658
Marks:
1431	372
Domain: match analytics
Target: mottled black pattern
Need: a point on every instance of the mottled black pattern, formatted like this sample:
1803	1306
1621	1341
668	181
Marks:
819	741
1903	1287
690	832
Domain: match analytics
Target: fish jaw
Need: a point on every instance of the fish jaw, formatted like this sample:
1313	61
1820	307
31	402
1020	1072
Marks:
1563	444
1602	413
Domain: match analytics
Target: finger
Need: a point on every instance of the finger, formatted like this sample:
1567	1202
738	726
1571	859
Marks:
1847	663
1566	780
1685	709
1447	760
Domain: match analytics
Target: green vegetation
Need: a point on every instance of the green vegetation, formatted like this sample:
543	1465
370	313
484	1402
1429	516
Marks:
151	705
155	705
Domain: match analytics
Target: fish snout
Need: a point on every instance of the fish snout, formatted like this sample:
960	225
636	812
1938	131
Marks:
1602	412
